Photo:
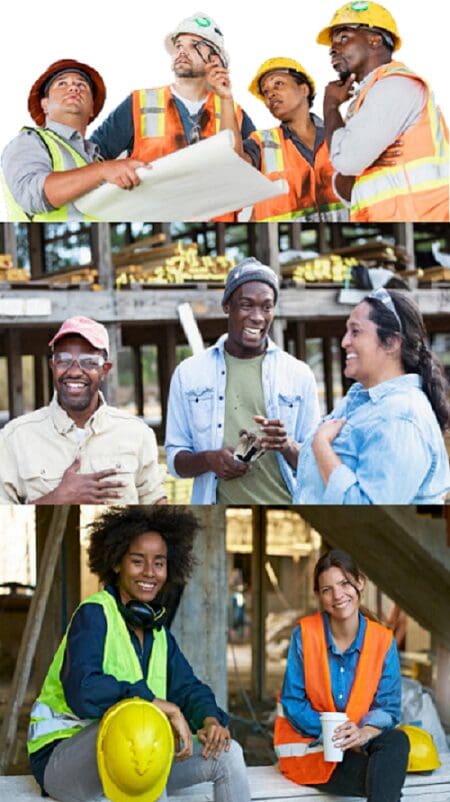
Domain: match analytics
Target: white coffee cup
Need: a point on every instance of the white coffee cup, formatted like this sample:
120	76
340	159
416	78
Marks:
330	721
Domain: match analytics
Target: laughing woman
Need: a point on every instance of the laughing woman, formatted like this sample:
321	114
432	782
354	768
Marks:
383	443
341	660
117	648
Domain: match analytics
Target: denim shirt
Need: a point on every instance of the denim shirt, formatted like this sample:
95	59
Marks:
385	708
196	409
391	448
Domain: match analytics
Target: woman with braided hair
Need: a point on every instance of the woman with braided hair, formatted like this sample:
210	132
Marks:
383	443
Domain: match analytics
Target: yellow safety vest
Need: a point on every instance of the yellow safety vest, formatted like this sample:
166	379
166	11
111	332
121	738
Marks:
51	716
64	157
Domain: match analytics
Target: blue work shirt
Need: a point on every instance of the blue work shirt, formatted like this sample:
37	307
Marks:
196	408
90	692
391	447
385	708
116	134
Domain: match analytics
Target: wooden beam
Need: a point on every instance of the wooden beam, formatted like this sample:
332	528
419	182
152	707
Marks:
111	383
30	636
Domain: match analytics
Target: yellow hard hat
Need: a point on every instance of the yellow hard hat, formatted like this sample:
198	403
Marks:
362	12
135	748
278	63
423	755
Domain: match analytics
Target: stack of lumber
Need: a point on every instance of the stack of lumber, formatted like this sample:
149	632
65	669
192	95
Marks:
10	273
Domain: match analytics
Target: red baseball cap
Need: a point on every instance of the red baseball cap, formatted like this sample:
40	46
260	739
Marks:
95	333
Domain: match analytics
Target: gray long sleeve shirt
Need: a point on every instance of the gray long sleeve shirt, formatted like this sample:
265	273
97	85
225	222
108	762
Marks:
390	108
26	163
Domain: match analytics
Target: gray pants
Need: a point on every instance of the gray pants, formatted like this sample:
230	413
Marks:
71	774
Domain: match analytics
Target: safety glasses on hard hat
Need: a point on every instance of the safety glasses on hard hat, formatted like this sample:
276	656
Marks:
206	50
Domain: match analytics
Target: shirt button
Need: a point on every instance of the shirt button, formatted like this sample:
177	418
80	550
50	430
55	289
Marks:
219	425
220	397
342	669
340	696
223	373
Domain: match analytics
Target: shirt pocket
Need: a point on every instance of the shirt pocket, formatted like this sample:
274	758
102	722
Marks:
200	402
37	475
125	463
289	406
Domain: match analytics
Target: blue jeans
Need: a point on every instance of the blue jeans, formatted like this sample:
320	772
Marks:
377	773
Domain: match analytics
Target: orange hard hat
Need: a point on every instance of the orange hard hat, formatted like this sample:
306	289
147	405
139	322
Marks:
37	91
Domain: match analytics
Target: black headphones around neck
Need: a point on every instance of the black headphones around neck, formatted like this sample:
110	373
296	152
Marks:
142	615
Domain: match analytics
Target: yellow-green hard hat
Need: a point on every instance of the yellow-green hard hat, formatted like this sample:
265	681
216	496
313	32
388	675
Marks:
423	755
135	748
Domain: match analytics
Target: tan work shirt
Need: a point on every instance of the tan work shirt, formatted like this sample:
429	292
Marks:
37	448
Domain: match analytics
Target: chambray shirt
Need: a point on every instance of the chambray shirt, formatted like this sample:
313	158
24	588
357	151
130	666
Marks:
391	447
26	163
385	708
116	134
196	409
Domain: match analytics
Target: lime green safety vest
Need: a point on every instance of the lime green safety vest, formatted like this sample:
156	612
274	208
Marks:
64	157
51	716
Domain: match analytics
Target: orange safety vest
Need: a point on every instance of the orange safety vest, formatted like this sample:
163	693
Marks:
416	187
158	129
310	197
296	760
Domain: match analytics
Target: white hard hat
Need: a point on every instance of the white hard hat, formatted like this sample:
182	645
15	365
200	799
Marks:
199	24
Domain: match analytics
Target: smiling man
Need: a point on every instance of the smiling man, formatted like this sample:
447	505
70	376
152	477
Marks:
241	380
48	167
154	122
296	150
394	139
79	450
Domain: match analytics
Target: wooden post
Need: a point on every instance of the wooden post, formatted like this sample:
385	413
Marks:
38	369
65	592
220	238
101	246
138	379
300	340
36	233
111	383
295	236
10	241
15	378
167	361
258	603
31	635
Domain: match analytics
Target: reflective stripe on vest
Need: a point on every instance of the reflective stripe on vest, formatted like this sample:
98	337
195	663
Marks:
330	212
52	718
152	106
298	760
63	157
422	173
153	112
272	152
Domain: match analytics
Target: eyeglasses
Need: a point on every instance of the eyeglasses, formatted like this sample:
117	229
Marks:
382	295
64	361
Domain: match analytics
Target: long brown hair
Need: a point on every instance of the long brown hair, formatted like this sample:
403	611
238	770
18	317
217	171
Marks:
337	558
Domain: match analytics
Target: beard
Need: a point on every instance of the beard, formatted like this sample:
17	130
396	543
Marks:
188	71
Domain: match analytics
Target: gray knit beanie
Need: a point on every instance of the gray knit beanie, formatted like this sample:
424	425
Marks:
249	270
